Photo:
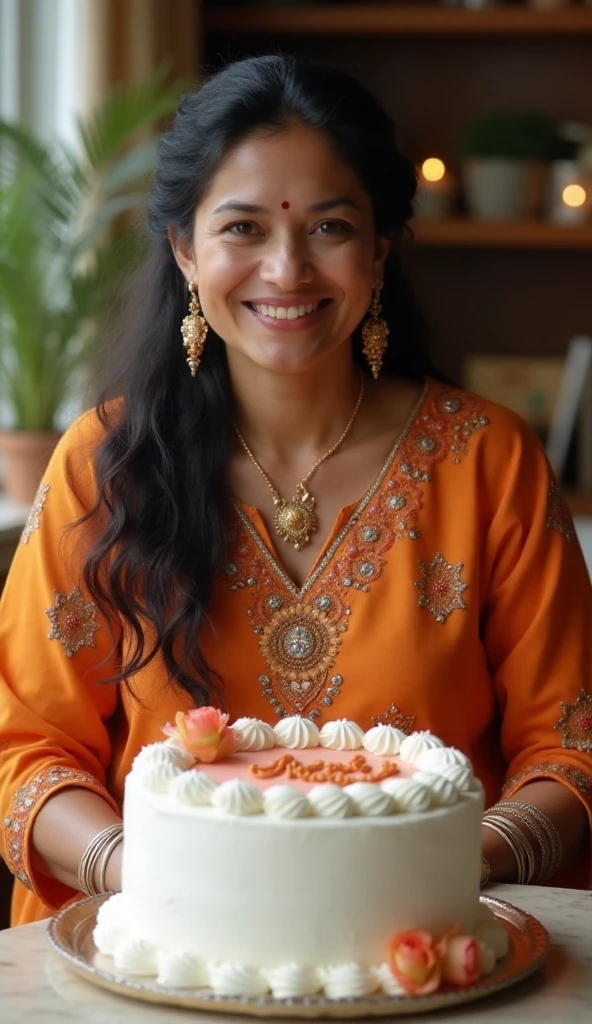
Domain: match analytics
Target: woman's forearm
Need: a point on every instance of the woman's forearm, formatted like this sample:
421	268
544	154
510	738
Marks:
64	827
563	809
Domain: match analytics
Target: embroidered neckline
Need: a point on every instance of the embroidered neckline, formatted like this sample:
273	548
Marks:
300	592
300	631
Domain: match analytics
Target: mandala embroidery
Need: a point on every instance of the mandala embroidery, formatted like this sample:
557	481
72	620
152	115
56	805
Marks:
301	630
73	621
24	803
32	523
558	514
575	723
441	586
395	717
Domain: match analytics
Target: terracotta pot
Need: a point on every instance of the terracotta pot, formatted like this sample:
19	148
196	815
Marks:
25	454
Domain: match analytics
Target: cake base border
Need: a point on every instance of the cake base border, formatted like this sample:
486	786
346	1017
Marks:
70	935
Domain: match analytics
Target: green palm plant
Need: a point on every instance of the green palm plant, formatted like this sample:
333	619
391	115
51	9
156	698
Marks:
60	262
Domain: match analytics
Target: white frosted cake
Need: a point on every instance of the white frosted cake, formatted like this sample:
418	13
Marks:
290	862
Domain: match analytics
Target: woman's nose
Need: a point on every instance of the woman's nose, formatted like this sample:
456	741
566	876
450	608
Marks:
287	264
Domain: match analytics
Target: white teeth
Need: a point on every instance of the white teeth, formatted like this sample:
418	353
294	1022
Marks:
287	312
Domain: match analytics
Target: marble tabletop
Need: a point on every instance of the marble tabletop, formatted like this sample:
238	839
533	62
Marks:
37	985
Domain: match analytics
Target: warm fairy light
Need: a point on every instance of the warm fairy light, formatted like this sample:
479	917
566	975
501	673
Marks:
574	195
433	169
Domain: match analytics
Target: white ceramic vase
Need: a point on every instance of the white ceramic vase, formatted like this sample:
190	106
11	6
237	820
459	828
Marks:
501	189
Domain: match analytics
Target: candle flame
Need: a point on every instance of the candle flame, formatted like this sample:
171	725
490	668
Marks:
574	195
433	169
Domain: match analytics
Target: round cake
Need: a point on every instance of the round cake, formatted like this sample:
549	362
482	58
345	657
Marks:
290	863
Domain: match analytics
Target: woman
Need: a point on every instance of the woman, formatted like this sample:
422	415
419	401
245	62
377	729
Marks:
281	511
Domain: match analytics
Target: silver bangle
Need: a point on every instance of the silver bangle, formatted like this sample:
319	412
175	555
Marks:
522	841
110	846
554	840
518	843
548	841
91	856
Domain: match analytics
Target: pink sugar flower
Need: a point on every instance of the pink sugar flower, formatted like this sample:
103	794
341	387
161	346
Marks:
459	957
414	961
204	733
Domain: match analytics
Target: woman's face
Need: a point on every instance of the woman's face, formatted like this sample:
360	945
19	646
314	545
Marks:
284	252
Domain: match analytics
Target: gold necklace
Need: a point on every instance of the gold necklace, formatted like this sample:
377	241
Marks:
295	520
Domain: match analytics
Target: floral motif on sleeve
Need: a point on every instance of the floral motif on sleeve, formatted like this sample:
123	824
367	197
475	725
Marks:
34	516
441	587
562	772
575	723
25	802
73	621
558	514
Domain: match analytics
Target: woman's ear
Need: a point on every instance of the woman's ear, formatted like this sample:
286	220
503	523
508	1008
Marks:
383	247
182	247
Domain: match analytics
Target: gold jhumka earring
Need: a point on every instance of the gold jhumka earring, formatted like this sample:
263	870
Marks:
194	330
375	332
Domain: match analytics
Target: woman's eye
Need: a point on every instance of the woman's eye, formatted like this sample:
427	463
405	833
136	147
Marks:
334	227
243	228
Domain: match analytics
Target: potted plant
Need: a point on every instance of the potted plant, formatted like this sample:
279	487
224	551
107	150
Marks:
61	261
505	159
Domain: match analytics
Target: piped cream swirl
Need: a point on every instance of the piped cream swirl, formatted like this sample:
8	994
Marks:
329	801
387	981
296	733
415	745
292	981
437	758
253	734
194	788
135	956
348	981
383	740
181	969
443	792
161	753
371	801
409	796
285	802
462	777
234	979
237	797
341	735
158	777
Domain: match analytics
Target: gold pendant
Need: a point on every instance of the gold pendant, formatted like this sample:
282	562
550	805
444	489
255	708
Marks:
296	519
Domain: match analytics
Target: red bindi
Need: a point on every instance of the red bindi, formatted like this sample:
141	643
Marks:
285	205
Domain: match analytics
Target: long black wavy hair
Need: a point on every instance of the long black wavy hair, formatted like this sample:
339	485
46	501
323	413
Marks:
163	498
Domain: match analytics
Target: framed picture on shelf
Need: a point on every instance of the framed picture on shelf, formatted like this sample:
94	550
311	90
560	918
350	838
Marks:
531	386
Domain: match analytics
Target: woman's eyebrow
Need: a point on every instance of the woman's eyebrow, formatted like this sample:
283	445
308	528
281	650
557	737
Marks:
323	206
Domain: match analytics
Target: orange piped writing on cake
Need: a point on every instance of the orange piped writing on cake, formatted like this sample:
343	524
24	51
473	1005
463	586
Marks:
340	774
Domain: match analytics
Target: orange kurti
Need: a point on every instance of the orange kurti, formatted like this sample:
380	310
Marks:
453	597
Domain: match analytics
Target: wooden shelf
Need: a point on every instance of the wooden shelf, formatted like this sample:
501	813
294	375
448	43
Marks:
397	19
463	232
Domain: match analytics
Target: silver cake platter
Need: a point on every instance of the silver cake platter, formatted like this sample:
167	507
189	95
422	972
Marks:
70	934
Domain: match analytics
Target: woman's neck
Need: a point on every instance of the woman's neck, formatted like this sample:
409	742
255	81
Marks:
287	418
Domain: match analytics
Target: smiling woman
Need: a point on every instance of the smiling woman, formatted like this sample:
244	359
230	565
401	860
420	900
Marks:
303	518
